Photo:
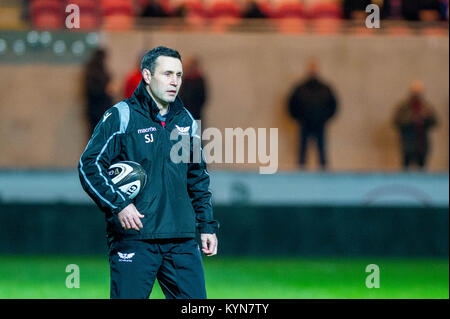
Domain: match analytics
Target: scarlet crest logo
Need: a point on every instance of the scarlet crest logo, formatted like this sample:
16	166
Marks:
126	257
183	130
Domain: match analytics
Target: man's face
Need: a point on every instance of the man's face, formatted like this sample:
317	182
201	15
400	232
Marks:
416	88
165	83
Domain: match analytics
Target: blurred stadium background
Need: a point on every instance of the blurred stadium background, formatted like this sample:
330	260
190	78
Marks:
300	233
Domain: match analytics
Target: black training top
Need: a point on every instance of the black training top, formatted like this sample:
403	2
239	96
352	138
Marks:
176	198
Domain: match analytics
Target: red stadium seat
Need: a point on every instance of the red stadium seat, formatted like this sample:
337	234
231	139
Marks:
326	17
117	14
47	14
224	8
325	10
195	12
291	9
224	13
117	7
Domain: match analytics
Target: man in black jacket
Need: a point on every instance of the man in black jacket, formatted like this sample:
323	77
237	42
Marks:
154	235
312	103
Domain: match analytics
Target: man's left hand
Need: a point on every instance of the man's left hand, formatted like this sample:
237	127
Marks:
209	244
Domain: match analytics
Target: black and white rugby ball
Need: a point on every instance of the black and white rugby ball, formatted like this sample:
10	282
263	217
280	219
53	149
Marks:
129	176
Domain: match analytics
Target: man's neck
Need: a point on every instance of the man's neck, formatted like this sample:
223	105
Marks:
163	107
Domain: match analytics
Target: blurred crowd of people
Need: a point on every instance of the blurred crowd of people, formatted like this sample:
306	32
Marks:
51	13
312	103
413	10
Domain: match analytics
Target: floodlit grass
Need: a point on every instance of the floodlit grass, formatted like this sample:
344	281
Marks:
44	277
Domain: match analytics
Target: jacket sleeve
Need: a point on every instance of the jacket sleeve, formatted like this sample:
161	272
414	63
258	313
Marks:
102	149
198	187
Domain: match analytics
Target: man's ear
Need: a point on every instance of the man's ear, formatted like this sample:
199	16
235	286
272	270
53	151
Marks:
146	75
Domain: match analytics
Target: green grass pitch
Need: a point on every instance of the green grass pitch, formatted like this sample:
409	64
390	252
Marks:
43	277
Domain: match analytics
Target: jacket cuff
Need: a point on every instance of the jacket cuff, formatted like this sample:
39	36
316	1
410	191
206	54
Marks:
119	208
208	227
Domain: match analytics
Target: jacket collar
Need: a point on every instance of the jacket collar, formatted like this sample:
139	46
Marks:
147	103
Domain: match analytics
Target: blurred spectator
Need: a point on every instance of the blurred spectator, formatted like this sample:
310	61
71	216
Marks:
153	9
385	8
180	11
414	118
395	9
25	13
252	11
219	9
97	88
444	9
187	8
312	103
193	90
355	9
133	78
423	10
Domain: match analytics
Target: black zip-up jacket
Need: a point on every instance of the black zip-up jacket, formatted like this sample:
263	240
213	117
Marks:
176	198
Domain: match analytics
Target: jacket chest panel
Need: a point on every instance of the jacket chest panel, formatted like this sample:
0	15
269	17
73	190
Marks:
146	139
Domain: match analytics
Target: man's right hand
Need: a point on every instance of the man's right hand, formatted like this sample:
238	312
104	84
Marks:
130	218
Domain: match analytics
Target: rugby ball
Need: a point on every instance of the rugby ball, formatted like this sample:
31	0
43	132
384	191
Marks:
129	176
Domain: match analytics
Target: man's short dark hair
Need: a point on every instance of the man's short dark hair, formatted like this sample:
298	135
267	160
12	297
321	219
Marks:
149	59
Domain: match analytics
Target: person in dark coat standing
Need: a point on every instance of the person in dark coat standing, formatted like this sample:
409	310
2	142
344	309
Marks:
153	9
194	88
354	8
421	10
97	87
414	118
312	103
253	11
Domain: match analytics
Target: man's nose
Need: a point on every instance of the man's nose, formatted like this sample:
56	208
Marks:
174	81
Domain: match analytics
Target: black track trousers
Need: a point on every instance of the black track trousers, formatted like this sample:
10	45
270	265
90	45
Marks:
176	263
